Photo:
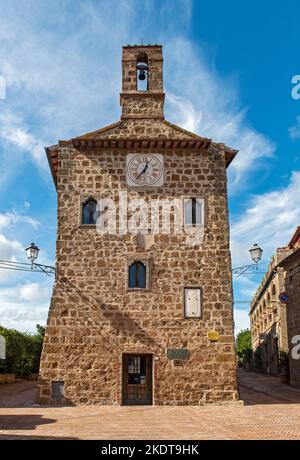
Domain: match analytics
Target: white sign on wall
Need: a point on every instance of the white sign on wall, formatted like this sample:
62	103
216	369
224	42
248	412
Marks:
2	347
192	302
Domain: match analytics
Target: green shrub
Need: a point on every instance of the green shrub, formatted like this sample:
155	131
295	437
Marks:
23	352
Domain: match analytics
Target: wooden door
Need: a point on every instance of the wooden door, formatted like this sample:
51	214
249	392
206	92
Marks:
137	379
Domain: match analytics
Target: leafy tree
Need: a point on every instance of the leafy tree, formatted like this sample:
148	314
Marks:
244	346
23	351
40	331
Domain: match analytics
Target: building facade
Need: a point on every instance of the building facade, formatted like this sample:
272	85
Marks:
275	324
268	317
291	267
141	311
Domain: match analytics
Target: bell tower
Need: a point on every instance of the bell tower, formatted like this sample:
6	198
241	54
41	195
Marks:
142	82
141	311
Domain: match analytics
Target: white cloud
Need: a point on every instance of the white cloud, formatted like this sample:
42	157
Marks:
8	219
294	131
14	132
270	220
241	319
32	293
22	306
21	317
202	101
246	286
10	249
69	80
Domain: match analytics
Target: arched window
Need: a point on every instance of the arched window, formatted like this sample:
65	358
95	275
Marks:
142	73
137	275
89	212
273	290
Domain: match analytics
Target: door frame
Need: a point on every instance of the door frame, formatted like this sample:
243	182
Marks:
124	375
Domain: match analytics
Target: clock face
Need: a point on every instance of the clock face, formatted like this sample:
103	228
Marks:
145	169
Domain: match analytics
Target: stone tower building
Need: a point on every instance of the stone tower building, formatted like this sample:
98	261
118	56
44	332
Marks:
141	311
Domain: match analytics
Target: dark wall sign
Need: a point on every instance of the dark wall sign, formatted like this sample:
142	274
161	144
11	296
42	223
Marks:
177	353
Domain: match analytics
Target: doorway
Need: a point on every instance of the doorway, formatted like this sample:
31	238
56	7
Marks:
137	379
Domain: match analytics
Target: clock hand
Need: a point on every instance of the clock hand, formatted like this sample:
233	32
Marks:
143	171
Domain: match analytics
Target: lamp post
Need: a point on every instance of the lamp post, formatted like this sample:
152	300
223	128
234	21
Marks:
32	253
255	253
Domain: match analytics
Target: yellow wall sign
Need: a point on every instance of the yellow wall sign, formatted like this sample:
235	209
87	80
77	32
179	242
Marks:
213	336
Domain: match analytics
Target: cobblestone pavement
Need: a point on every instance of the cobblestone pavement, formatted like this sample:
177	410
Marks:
20	393
271	411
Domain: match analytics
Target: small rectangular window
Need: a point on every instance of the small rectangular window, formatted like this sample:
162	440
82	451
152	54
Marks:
193	211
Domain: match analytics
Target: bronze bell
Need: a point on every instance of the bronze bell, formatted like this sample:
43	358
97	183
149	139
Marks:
142	75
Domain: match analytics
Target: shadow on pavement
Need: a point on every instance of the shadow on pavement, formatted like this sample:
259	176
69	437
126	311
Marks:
23	422
15	437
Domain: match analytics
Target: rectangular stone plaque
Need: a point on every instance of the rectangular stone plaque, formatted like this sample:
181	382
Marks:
177	353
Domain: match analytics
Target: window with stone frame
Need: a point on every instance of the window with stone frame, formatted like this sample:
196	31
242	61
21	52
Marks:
137	273
193	212
89	211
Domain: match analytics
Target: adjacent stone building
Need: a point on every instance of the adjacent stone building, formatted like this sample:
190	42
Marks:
291	267
140	314
275	325
268	316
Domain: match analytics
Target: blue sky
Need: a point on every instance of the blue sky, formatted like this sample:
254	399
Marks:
227	72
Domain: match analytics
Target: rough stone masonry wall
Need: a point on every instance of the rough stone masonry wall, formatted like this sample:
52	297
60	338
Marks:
137	106
292	286
93	318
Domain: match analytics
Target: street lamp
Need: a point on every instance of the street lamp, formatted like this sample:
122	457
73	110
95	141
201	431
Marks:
255	253
32	253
